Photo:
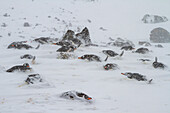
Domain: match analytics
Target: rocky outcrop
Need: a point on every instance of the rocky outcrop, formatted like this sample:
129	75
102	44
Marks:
160	35
154	19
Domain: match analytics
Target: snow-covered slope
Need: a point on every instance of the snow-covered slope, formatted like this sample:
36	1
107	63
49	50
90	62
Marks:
111	91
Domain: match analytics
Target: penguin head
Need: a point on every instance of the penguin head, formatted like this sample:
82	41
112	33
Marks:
82	57
26	65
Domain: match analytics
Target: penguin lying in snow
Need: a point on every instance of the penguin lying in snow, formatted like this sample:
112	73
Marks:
157	64
136	76
34	78
75	95
111	53
90	57
127	48
66	49
22	68
27	56
19	45
144	60
110	66
142	50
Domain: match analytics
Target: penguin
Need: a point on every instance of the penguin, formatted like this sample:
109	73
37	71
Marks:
75	95
144	60
19	45
157	64
90	57
45	40
22	68
63	43
33	78
111	53
127	48
66	49
27	56
142	50
110	66
136	76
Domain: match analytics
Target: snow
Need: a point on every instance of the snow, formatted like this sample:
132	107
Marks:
111	91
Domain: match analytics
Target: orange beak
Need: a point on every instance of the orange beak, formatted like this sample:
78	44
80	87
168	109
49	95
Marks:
89	98
122	73
13	45
105	67
54	44
27	66
79	57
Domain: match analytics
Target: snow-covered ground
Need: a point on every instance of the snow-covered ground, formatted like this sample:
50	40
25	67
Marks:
111	91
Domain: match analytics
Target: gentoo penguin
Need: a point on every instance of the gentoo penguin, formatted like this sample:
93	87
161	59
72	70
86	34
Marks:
75	95
157	64
27	56
90	57
144	60
19	45
136	76
33	78
111	53
142	50
66	49
127	48
23	68
110	66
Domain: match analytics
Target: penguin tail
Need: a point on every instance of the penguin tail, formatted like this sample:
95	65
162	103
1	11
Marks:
121	54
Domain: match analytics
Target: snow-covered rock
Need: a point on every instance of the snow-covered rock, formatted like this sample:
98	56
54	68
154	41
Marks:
154	19
160	35
119	42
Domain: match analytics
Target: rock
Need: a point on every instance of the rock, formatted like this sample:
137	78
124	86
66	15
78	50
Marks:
159	46
154	19
159	35
26	24
144	43
84	36
119	42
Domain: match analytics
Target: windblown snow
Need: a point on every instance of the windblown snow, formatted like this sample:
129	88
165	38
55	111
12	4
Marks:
111	92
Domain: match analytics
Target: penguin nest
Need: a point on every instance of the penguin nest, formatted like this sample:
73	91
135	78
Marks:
65	56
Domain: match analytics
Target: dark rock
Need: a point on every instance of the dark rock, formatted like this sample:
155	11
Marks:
159	35
154	19
159	46
26	24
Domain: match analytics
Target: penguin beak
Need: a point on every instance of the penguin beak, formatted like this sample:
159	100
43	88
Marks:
28	66
89	98
122	73
54	44
12	45
105	67
79	57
